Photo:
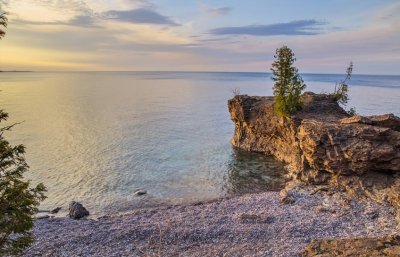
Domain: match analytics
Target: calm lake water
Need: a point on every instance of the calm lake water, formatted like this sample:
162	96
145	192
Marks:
97	137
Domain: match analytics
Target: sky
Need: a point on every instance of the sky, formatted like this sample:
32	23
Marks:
200	35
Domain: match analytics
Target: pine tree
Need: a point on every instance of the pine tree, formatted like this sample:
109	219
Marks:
288	83
3	23
18	201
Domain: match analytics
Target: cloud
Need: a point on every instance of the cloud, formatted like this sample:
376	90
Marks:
390	13
46	10
219	11
79	21
300	27
3	3
140	3
140	15
82	20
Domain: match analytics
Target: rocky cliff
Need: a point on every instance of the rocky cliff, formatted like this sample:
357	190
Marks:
321	144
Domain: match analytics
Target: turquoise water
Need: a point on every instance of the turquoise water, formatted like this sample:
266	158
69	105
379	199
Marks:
97	137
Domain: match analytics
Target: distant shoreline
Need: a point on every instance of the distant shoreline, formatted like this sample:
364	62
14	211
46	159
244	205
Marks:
15	71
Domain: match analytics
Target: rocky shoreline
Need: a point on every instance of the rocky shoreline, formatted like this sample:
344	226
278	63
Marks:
343	199
250	225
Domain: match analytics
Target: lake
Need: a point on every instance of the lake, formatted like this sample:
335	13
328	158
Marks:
97	137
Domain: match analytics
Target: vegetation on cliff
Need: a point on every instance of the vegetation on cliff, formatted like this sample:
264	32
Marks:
288	83
18	201
341	93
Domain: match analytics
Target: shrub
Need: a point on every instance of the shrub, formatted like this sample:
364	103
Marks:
236	91
288	83
341	93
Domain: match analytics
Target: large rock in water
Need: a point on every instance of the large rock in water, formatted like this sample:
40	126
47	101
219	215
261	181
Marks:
321	144
77	211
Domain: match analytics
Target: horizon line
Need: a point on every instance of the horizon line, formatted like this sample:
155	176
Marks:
171	71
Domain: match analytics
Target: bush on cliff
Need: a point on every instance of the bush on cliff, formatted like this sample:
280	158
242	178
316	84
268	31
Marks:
288	83
18	201
341	93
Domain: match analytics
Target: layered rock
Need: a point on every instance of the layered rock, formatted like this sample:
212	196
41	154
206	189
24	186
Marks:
321	144
362	247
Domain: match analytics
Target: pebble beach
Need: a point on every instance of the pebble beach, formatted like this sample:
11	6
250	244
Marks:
249	225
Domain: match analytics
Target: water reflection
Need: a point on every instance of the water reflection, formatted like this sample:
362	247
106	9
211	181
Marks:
97	137
253	172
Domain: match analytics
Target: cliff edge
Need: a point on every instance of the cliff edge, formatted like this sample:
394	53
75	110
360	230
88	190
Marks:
322	144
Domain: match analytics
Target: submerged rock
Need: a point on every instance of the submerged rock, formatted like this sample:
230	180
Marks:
56	210
42	217
140	192
321	144
77	211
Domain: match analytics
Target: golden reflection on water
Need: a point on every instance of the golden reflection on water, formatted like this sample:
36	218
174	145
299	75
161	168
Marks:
98	137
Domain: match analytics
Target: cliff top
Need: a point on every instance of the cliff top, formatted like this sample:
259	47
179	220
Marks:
317	107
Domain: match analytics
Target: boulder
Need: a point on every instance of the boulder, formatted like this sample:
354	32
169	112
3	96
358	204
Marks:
322	144
366	247
77	211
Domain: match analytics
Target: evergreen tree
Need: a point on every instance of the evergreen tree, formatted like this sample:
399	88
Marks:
18	201
3	23
288	83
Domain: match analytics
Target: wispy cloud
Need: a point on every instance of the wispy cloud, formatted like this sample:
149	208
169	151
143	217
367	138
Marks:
82	20
79	21
134	16
220	11
140	15
300	27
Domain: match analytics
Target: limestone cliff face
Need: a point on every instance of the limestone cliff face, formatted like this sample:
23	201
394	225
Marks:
322	144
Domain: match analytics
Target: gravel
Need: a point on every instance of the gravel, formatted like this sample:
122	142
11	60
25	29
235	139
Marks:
249	225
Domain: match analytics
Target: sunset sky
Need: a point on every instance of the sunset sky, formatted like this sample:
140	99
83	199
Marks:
201	35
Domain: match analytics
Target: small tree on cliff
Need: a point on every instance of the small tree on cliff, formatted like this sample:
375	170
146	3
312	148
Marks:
288	83
341	93
18	201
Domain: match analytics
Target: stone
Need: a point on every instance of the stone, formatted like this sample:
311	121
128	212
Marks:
140	192
77	211
42	217
56	210
286	197
361	247
322	145
356	119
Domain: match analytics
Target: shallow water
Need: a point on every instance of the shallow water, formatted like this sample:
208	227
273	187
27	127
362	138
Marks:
97	137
